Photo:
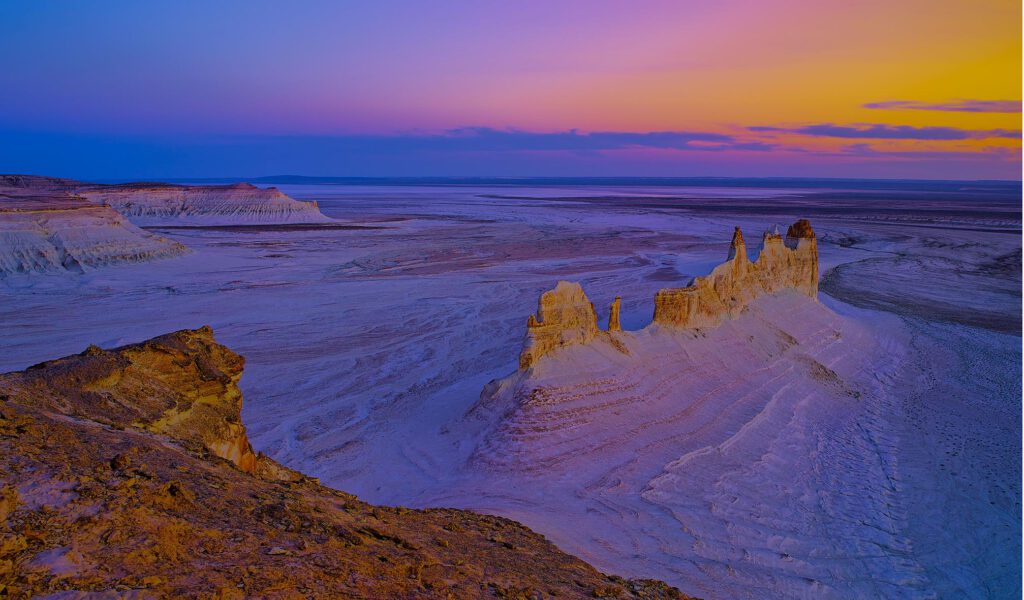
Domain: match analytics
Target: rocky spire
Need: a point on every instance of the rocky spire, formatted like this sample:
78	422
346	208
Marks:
738	248
613	317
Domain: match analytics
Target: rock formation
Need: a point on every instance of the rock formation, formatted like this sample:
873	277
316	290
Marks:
155	204
45	228
183	385
567	317
238	204
781	264
111	486
613	315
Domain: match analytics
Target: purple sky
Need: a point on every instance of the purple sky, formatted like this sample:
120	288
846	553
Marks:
716	88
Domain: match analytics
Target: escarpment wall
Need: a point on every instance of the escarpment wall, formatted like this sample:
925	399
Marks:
51	230
167	204
566	317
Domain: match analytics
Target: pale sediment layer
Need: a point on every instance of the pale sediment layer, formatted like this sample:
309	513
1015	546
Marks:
166	204
55	232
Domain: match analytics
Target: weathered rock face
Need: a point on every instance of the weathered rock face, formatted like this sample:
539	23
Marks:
781	264
183	385
46	229
238	204
567	317
108	486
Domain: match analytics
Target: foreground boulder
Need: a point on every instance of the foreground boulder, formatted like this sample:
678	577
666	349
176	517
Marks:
127	472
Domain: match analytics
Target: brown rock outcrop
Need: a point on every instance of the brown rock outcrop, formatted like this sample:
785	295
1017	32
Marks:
183	385
108	487
567	317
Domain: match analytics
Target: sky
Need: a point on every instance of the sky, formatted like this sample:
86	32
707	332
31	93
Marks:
790	88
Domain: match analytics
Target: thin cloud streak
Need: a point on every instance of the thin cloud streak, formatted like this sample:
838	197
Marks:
891	132
514	140
977	106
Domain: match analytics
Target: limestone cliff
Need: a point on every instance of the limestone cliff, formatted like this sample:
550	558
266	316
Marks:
236	204
566	317
110	486
45	228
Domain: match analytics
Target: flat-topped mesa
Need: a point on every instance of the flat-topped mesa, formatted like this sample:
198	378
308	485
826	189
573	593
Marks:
44	228
169	204
564	317
782	264
183	385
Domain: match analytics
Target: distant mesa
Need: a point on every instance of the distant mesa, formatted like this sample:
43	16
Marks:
566	317
61	225
45	228
237	204
155	204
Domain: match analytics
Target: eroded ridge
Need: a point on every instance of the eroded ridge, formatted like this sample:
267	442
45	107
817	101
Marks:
790	262
566	317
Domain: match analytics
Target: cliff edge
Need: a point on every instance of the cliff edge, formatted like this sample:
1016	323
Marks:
45	228
156	204
128	473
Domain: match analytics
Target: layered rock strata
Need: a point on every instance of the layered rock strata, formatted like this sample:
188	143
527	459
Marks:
165	204
128	473
50	230
566	316
238	204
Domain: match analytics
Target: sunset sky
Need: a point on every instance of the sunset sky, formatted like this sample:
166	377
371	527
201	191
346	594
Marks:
829	88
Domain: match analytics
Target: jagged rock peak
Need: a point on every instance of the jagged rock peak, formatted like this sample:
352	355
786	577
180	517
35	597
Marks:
801	229
738	247
792	264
